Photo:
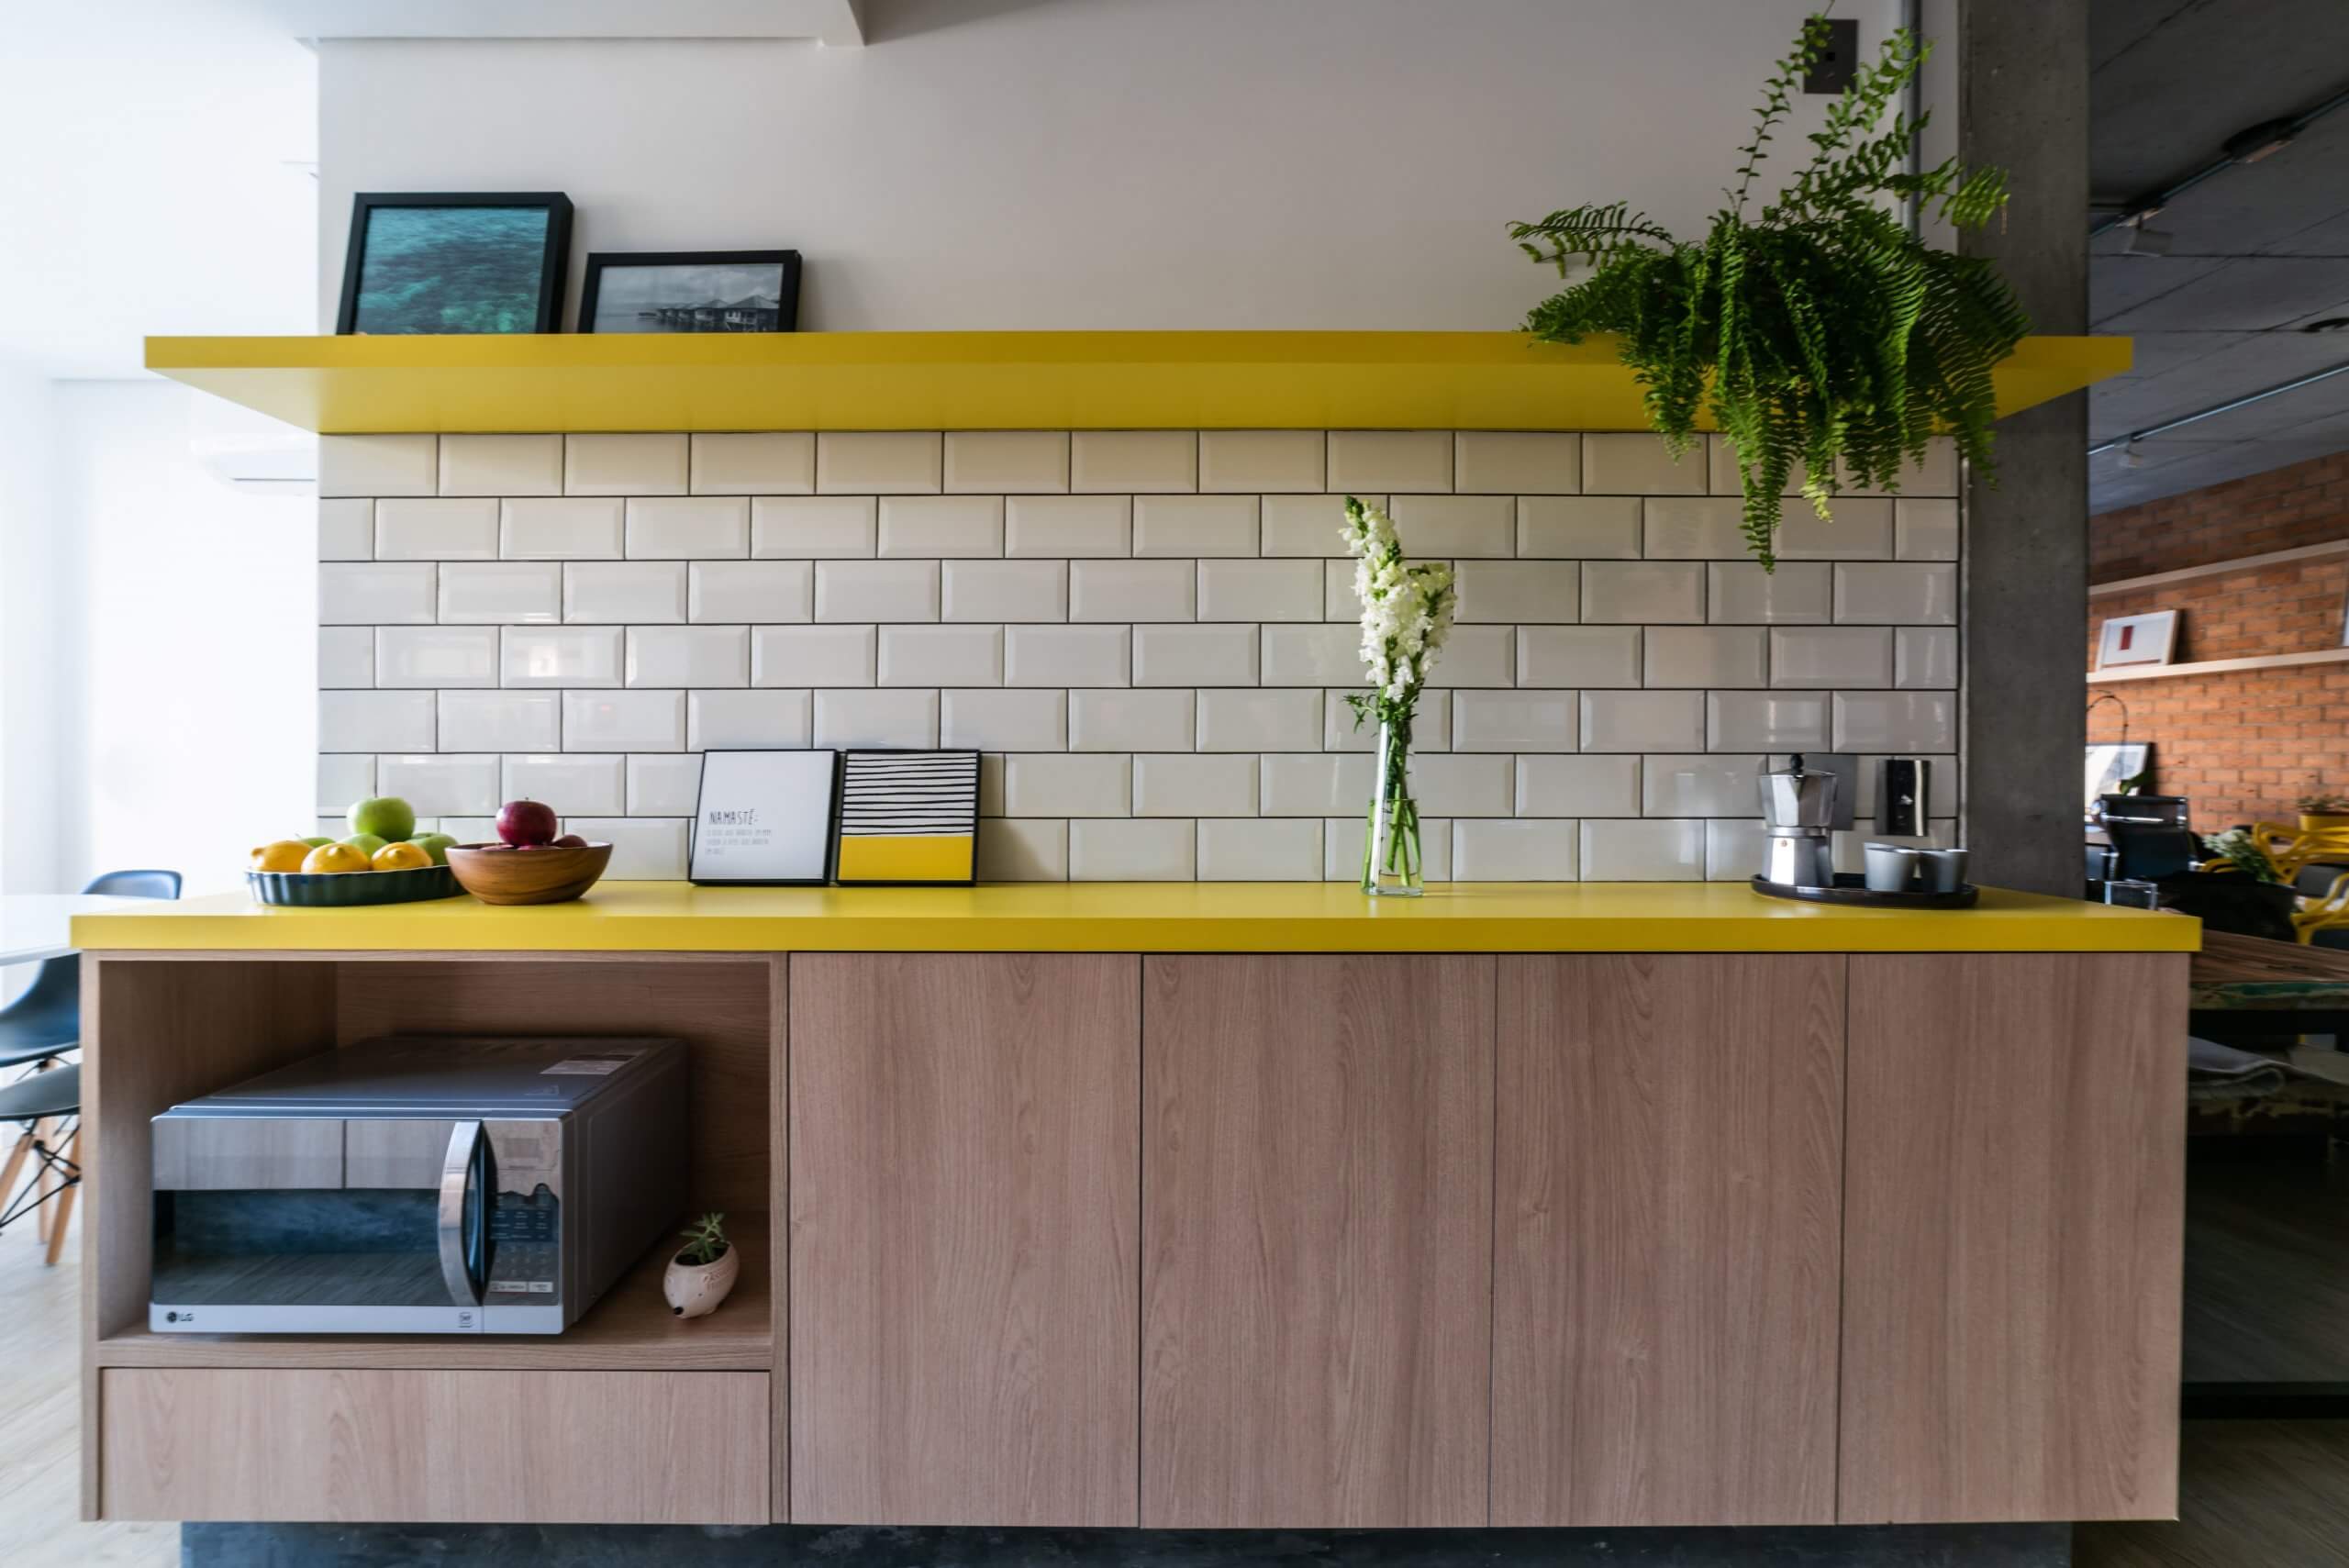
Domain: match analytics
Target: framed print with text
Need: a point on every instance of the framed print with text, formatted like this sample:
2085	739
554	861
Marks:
764	818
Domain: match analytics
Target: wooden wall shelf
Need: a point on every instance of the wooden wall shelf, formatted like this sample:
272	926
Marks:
2218	666
2325	551
878	381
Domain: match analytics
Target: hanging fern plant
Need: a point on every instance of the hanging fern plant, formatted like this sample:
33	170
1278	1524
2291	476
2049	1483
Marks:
1819	331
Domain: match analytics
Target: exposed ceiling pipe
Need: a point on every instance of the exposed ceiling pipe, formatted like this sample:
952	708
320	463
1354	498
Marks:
2247	146
2133	436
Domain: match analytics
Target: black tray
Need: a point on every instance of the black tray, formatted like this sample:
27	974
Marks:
1852	888
344	890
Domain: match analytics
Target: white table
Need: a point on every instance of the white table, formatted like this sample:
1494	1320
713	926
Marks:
35	926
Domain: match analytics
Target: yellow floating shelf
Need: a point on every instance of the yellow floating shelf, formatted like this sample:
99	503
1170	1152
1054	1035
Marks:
972	380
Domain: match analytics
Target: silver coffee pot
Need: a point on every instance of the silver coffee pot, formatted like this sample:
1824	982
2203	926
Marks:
1799	813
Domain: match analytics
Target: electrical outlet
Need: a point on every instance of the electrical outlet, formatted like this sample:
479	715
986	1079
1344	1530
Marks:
1832	71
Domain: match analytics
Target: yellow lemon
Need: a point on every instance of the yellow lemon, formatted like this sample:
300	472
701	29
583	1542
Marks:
402	856
328	858
282	855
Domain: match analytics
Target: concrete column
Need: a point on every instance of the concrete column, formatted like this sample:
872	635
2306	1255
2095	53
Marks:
2023	104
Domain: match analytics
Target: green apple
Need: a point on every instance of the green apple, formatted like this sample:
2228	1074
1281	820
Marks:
434	844
388	817
315	842
369	842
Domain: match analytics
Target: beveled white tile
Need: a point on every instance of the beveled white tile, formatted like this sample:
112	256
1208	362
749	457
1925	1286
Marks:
688	528
345	778
1692	528
1030	720
1111	850
439	784
1188	654
688	655
346	656
1473	656
1824	657
559	527
1068	655
1922	656
1698	784
1117	720
644	849
1194	525
618	591
1528	850
561	656
718	721
664	786
501	721
1895	721
1061	527
346	529
624	721
1320	655
1643	721
996	461
437	529
1858	530
1133	462
1344	842
1450	528
1261	590
1579	656
1068	784
1520	591
375	721
876	719
917	526
1904	593
1623	463
509	593
436	656
366	593
1430	731
1464	785
1513	721
878	463
1316	784
1260	850
813	655
572	784
942	655
767	462
633	464
1006	590
1262	719
1704	656
1195	783
1649	851
1132	590
1637	593
1924	530
1734	850
464	830
1391	461
1306	525
1720	454
1765	721
1017	850
815	528
378	465
1562	784
1578	527
1796	594
1517	463
750	591
500	465
876	590
1262	461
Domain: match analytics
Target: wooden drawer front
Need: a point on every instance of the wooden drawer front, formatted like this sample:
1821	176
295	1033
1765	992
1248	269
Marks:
435	1447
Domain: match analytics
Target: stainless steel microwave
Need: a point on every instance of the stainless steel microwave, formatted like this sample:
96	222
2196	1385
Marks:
418	1185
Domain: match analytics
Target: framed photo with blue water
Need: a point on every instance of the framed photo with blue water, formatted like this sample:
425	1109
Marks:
764	818
455	262
691	291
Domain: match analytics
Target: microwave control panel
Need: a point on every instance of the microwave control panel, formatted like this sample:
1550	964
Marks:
525	1246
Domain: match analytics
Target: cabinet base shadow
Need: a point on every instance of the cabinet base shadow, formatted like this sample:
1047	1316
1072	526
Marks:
785	1546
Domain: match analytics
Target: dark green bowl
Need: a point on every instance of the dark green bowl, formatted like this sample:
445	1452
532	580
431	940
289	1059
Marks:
346	889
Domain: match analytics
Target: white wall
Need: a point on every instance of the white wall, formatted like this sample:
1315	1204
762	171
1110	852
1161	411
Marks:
1095	163
29	656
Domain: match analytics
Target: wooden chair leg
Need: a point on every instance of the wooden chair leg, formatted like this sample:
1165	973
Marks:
44	1134
64	1203
15	1167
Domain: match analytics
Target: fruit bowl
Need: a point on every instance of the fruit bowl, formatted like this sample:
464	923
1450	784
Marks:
346	889
549	873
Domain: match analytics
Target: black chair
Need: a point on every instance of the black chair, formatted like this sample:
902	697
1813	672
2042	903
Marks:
47	1020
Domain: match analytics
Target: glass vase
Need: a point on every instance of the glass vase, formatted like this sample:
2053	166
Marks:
1390	853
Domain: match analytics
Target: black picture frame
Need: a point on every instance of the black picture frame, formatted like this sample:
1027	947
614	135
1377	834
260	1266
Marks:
786	287
916	755
554	263
829	827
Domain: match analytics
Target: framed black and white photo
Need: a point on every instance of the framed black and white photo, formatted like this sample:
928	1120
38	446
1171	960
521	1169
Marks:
691	291
909	819
455	262
765	818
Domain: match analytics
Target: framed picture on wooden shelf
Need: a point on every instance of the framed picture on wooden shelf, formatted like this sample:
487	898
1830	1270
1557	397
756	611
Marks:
2148	638
764	818
909	819
691	291
468	262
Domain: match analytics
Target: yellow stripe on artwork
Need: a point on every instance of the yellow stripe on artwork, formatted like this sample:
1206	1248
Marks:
885	857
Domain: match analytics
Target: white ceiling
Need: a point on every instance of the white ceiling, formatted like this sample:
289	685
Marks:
835	22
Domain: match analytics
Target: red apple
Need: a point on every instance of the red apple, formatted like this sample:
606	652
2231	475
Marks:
525	823
571	842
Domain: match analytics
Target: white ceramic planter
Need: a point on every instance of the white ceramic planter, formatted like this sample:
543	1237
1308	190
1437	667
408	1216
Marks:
694	1290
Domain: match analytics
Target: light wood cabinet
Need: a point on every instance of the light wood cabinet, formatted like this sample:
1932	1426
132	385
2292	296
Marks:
1668	1177
1317	1267
965	1187
2014	1198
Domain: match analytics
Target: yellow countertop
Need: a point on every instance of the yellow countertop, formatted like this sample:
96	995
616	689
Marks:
1181	916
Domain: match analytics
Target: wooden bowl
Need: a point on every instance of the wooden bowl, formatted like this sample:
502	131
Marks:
496	874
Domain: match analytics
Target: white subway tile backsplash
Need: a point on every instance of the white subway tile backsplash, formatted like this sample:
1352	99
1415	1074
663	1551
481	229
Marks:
1631	593
921	527
1579	656
1256	461
346	529
1692	528
1699	784
1264	719
435	656
1858	530
625	721
1195	783
1519	591
439	784
343	778
750	591
625	464
1562	784
1449	528
688	528
813	655
1471	656
665	784
1704	656
1188	654
1921	656
1578	527
1795	594
1391	461
417	529
1061	528
505	593
1164	849
1529	850
501	721
1315	783
355	593
1905	722
1013	850
1006	590
554	528
644	849
1513	721
1128	720
347	656
1344	840
1627	464
1765	721
571	784
1068	655
854	718
770	463
814	527
375	721
878	463
995	720
499	465
876	590
1924	530
1911	593
688	655
562	656
1068	784
722	720
1133	462
1306	525
942	655
1261	590
1260	850
1194	525
1643	721
1464	785
1517	463
1329	655
1430	730
1133	589
1648	851
620	591
1734	850
998	461
1824	657
378	465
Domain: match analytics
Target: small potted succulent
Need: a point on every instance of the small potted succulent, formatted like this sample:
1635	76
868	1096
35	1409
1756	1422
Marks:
2324	812
703	1271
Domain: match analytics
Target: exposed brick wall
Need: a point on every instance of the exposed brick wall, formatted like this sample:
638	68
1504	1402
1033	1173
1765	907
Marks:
2241	744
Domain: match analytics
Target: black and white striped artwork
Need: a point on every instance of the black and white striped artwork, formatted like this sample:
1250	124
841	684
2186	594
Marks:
909	816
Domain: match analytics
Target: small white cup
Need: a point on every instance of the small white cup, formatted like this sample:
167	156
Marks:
1943	870
1891	868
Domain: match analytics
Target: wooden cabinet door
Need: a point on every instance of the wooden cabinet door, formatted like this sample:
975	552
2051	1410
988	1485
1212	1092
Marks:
1669	1162
964	1139
2016	1158
1317	1262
